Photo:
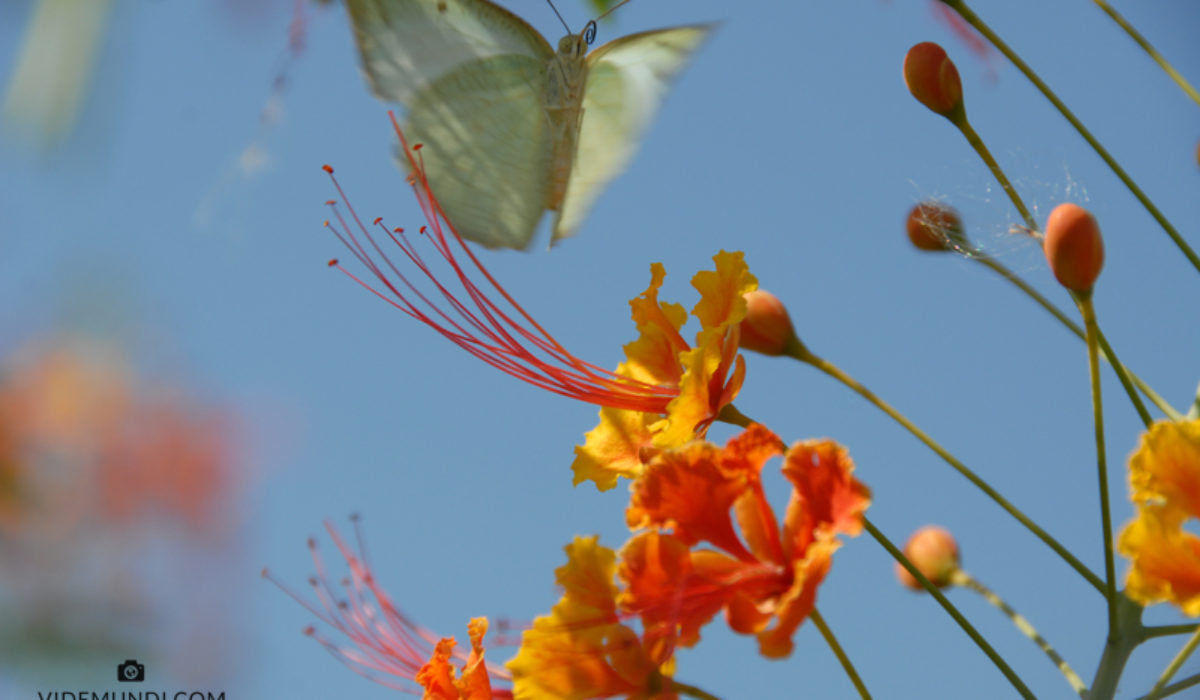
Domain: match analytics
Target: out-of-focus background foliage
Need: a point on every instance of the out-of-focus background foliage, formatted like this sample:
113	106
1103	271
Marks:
186	391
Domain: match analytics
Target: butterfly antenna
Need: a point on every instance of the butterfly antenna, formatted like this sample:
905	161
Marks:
560	17
612	9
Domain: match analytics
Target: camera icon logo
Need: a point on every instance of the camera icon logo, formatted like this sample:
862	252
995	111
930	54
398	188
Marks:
131	671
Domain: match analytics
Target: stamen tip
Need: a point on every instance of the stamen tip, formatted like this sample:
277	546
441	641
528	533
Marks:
377	220
327	168
333	262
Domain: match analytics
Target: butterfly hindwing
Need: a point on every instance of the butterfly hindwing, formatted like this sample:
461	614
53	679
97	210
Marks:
487	147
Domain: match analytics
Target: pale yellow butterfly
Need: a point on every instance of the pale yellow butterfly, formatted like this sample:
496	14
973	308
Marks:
510	127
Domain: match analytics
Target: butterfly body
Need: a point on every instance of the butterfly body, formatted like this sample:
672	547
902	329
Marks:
509	126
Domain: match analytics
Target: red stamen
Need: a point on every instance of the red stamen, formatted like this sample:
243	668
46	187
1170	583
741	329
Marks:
477	324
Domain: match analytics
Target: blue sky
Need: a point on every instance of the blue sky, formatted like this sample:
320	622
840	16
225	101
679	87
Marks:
790	137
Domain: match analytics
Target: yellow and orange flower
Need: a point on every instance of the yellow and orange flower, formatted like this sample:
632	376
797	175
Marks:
705	376
1164	473
581	649
666	393
694	494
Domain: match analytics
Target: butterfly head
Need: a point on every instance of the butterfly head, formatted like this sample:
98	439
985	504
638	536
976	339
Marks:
576	45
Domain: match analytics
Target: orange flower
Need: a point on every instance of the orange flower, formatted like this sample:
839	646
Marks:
581	649
686	496
705	376
1164	473
386	645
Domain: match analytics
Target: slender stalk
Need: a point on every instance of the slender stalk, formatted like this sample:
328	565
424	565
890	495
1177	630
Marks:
951	610
971	18
1110	577
1127	377
844	660
804	355
977	143
1190	646
962	578
1158	58
1176	687
691	691
1167	630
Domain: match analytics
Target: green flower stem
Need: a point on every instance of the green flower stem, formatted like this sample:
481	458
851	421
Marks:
801	353
691	691
1167	630
1176	687
971	18
1188	647
1110	577
977	143
962	578
1117	652
1141	41
1127	377
844	660
950	609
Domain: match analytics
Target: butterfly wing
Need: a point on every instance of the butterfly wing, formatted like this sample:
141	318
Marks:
472	76
626	82
407	44
487	147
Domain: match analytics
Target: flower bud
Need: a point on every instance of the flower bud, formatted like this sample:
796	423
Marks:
934	552
1073	247
932	78
766	328
935	226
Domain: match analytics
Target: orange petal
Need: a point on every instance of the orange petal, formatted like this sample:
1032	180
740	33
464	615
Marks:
474	683
687	491
827	498
798	602
1166	466
1165	560
437	676
747	453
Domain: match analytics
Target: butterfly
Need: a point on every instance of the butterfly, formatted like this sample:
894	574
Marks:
510	127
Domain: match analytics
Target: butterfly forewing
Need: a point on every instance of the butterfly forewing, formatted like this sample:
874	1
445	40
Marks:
407	44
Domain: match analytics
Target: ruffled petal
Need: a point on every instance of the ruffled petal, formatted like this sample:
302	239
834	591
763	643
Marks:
687	491
827	499
1165	560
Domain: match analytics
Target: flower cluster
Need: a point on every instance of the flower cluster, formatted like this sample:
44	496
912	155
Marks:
705	538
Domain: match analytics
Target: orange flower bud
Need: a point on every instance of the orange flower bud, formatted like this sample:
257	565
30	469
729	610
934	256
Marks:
935	226
1073	247
934	552
932	78
766	328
